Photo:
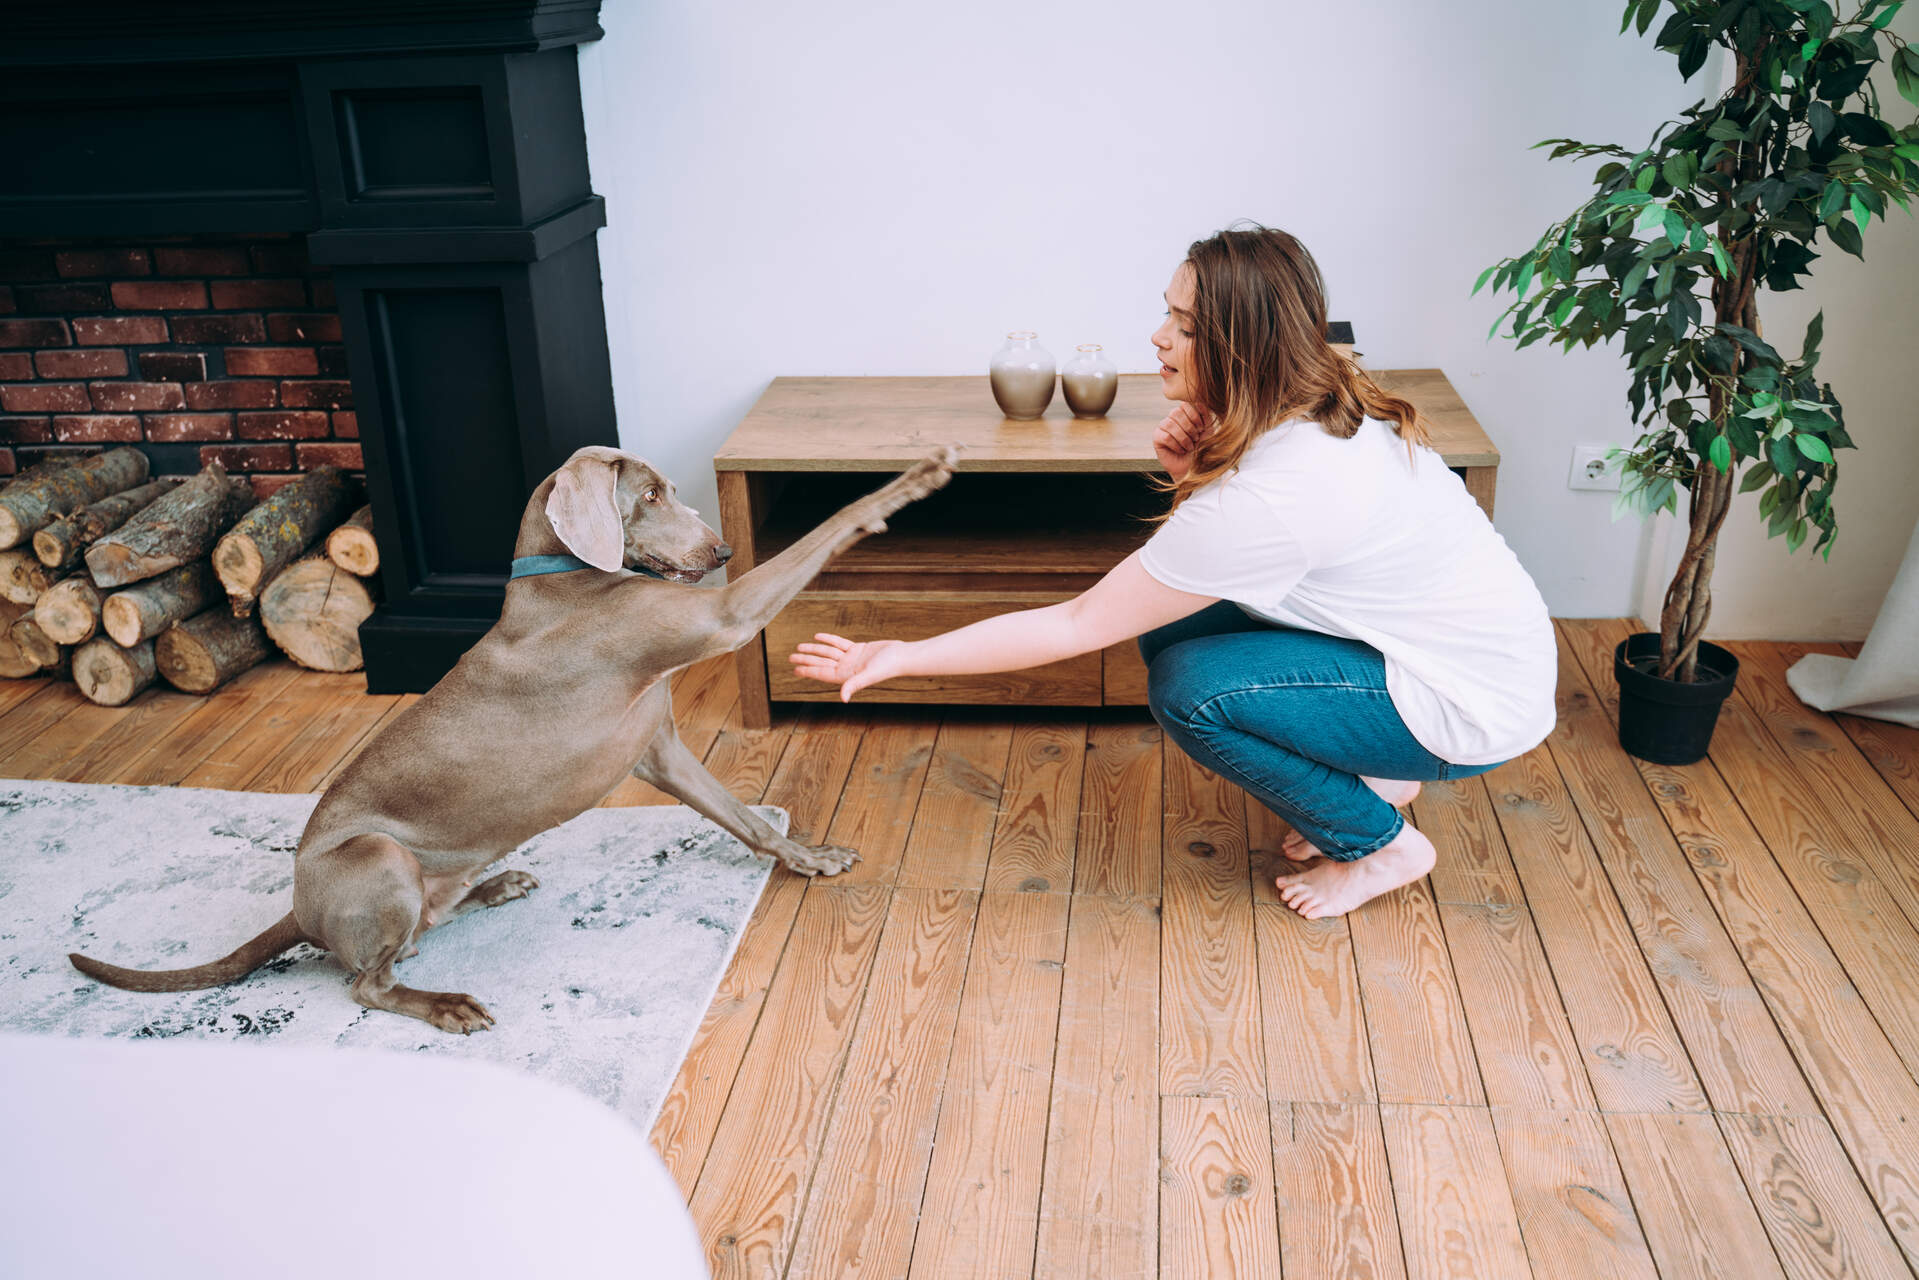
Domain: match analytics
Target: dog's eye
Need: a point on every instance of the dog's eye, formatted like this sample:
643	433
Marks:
651	495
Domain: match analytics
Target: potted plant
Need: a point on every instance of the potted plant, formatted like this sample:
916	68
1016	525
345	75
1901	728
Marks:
1732	198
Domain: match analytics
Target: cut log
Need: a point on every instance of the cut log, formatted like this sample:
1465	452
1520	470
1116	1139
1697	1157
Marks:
272	535
110	675
146	609
313	611
22	577
351	546
46	652
176	529
207	650
27	508
15	662
60	543
69	610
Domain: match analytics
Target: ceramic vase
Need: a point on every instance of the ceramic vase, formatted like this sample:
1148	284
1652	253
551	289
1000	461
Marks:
1090	381
1022	375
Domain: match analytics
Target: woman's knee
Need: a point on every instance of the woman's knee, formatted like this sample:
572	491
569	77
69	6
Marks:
1176	685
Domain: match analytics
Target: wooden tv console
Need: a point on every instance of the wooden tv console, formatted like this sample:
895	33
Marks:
1035	514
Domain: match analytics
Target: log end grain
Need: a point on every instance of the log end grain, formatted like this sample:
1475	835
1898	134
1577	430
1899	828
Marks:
110	675
69	610
209	649
313	611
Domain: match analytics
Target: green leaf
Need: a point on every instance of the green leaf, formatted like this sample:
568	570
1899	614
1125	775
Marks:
1832	200
1560	262
1525	278
1905	71
1721	453
1879	23
1483	276
1815	334
1645	178
1721	260
1678	170
1633	197
1822	120
1809	50
1724	130
1860	213
1648	9
1564	309
1635	278
1813	447
1757	476
1675	228
1846	236
1662	284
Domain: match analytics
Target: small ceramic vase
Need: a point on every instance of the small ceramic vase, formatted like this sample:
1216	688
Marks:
1090	381
1022	375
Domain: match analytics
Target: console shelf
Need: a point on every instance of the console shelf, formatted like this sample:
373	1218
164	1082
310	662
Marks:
1035	513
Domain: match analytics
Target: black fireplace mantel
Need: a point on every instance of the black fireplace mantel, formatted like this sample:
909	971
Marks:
434	154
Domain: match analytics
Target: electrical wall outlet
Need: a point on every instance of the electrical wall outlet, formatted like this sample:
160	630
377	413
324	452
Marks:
1589	470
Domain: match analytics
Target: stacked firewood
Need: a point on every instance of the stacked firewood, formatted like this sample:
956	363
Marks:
114	579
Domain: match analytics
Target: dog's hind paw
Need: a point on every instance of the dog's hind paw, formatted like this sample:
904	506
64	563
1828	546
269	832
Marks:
820	860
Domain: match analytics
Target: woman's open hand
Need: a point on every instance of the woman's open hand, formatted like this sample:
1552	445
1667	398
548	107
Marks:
1179	436
850	665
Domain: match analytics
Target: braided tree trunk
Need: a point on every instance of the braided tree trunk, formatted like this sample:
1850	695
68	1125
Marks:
1688	601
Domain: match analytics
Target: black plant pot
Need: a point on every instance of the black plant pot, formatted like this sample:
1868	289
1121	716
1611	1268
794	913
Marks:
1665	721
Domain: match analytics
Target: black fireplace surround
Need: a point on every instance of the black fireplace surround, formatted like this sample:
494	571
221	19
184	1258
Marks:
434	153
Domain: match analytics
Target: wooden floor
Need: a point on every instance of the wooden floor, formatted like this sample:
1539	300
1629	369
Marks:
1640	1021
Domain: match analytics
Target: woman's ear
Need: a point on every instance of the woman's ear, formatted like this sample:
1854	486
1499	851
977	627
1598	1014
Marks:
583	513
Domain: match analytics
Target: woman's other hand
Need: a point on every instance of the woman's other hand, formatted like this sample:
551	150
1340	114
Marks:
1178	438
850	665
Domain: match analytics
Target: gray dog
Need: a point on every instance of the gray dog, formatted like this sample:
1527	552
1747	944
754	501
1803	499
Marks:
539	721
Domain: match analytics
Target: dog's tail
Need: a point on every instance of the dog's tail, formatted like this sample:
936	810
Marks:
249	956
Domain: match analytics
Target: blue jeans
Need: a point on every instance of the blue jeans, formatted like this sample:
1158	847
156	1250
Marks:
1295	718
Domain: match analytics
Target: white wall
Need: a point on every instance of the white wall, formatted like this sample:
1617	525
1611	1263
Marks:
857	188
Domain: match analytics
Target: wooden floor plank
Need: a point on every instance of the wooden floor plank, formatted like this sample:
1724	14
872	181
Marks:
176	753
1119	823
808	787
1851	1066
1422	1051
1209	1042
1632	1054
1697	1218
318	746
747	1200
1099	1197
980	1215
15	691
1575	1213
871	1177
32	718
1891	749
1036	831
387	717
1337	1219
1217	1212
882	793
1456	1214
952	832
1728	1030
1821	1221
153	715
1522	1039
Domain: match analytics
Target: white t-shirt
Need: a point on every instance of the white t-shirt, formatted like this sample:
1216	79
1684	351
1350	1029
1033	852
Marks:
1350	538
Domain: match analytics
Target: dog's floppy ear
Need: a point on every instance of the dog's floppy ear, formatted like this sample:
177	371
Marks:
582	510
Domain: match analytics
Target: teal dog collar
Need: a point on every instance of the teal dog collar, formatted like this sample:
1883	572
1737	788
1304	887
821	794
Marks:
534	566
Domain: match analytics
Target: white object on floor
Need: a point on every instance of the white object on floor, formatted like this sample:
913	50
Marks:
205	1161
598	979
1883	681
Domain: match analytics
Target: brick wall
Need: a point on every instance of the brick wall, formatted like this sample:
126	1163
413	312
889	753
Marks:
206	347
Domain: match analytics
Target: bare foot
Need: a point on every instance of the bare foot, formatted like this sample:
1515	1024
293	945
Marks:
1392	791
1333	888
1297	848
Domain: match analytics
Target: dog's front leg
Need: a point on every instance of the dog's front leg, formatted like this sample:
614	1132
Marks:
747	605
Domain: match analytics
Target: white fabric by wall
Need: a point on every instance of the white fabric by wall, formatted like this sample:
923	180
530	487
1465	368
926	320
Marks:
1883	681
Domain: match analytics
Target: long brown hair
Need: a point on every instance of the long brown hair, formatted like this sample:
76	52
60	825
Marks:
1260	356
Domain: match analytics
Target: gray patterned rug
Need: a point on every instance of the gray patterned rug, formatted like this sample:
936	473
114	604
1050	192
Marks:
598	980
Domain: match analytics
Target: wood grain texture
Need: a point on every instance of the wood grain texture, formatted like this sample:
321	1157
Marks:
1729	1033
1456	1213
1633	1056
1695	1213
1312	1023
1574	1210
1820	1219
1422	1051
1209	994
952	832
1122	675
1036	829
1521	1038
748	1197
1099	1198
884	424
861	1211
980	1215
1119	818
173	755
1337	1219
881	795
1217	1212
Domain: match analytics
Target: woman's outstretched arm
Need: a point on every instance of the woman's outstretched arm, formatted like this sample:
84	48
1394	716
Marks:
1125	603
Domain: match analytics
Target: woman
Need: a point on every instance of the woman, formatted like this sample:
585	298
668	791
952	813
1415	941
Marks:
1328	617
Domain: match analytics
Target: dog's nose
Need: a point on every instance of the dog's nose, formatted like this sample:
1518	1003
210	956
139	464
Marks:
722	553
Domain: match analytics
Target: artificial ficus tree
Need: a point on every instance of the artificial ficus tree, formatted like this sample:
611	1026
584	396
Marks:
1732	198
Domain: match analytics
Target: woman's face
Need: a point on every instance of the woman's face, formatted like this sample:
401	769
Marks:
1174	337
